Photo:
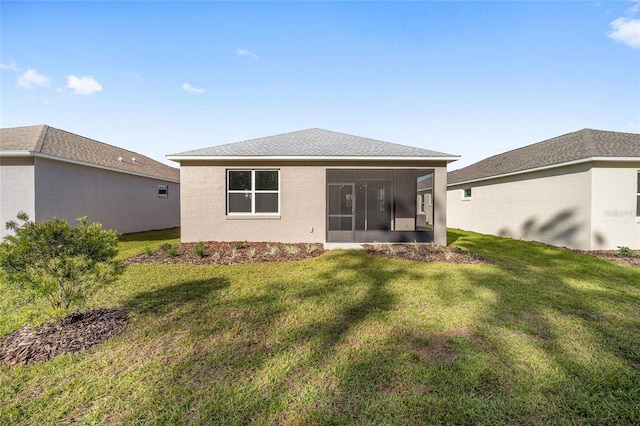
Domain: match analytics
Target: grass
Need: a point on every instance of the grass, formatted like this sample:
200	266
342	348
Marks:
134	244
541	335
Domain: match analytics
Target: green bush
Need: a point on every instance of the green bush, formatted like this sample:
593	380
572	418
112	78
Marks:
626	252
58	262
200	250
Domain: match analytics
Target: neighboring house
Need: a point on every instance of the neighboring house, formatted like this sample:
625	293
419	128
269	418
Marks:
580	190
310	186
48	173
425	202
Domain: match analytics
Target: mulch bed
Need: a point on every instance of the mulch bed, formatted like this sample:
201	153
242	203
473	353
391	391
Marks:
424	253
228	253
73	333
613	255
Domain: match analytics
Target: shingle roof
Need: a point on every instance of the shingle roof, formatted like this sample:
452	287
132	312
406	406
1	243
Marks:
61	144
313	143
583	144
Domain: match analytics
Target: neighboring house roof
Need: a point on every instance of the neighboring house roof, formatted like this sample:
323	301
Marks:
312	144
49	142
580	146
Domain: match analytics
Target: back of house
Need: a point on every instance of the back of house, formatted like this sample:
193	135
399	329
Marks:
314	186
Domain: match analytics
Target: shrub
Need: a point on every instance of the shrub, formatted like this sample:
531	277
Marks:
171	252
57	262
626	252
292	250
252	253
200	250
148	251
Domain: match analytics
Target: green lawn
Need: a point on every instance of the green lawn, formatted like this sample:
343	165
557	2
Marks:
539	336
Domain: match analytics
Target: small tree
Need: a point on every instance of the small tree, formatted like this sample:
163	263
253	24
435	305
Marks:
58	262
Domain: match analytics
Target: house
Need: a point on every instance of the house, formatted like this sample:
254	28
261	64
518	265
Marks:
48	172
580	190
314	186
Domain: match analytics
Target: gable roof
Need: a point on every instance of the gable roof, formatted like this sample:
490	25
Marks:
583	145
49	142
312	144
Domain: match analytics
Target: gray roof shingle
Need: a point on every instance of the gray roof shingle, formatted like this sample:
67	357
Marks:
59	143
313	143
583	144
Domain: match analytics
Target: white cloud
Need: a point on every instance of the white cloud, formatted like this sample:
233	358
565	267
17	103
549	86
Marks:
83	85
189	88
626	31
245	52
31	78
11	66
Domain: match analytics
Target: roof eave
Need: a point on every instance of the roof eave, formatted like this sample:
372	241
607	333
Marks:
178	158
22	154
551	166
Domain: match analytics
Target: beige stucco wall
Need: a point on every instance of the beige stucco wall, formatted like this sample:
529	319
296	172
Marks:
302	207
124	202
17	191
552	206
613	215
303	202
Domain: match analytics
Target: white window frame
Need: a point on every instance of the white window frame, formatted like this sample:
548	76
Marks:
464	193
164	188
253	193
638	195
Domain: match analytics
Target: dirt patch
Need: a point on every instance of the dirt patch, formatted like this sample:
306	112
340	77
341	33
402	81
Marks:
73	333
228	253
424	253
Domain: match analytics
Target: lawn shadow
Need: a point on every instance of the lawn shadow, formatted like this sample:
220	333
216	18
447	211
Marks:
157	235
573	314
163	299
253	348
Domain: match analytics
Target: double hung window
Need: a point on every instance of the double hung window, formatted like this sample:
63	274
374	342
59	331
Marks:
253	192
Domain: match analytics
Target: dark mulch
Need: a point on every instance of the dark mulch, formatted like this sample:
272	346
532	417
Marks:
614	256
73	333
228	253
424	253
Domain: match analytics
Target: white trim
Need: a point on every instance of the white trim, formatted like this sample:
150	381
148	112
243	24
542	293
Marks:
551	166
179	158
16	154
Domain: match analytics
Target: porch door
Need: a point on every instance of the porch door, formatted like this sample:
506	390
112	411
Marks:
340	212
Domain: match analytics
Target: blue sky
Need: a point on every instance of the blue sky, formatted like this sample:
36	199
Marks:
468	78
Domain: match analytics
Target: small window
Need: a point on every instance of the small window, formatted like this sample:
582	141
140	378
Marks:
253	191
163	190
466	193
